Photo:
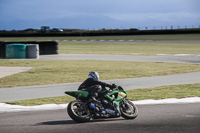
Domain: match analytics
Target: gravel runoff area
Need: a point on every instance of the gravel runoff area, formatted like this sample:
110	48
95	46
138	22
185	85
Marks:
7	71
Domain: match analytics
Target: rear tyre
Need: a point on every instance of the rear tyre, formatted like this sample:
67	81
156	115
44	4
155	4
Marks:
77	112
128	109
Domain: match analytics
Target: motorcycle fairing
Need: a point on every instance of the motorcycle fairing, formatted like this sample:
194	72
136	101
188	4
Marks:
118	98
78	94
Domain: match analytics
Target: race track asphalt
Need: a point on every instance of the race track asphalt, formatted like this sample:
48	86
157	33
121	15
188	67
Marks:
167	118
176	58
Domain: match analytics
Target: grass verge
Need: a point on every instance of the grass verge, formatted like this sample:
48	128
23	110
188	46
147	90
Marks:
163	92
173	91
128	48
122	37
47	72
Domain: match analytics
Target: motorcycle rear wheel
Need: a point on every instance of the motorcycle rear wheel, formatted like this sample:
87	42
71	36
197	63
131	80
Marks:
128	110
77	112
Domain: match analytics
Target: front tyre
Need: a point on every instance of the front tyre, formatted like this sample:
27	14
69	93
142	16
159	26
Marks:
128	109
77	112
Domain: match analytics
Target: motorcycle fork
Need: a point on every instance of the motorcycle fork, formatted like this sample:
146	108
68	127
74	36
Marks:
127	105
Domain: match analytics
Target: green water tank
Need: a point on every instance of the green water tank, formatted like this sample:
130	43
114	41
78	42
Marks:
15	51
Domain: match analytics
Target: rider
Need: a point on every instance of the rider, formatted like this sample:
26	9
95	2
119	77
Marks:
94	86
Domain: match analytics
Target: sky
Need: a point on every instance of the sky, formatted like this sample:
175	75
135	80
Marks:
98	14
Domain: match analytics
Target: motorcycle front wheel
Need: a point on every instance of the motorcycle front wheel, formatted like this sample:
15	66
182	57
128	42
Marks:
77	112
128	109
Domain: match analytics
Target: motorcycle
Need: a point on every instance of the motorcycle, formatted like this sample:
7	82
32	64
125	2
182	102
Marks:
113	104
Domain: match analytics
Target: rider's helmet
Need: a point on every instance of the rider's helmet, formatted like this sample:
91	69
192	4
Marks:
93	75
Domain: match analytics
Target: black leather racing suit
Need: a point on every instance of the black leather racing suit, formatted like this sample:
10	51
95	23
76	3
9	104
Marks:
93	86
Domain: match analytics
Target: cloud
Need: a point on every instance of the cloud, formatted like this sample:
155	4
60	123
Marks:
104	13
155	18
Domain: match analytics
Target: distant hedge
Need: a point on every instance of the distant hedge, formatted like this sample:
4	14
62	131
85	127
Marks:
101	33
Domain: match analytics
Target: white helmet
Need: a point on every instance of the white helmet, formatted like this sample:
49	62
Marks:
93	75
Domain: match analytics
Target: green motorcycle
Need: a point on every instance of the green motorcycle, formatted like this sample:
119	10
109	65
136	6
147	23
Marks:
113	104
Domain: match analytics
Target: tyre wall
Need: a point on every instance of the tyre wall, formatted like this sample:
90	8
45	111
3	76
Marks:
45	47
